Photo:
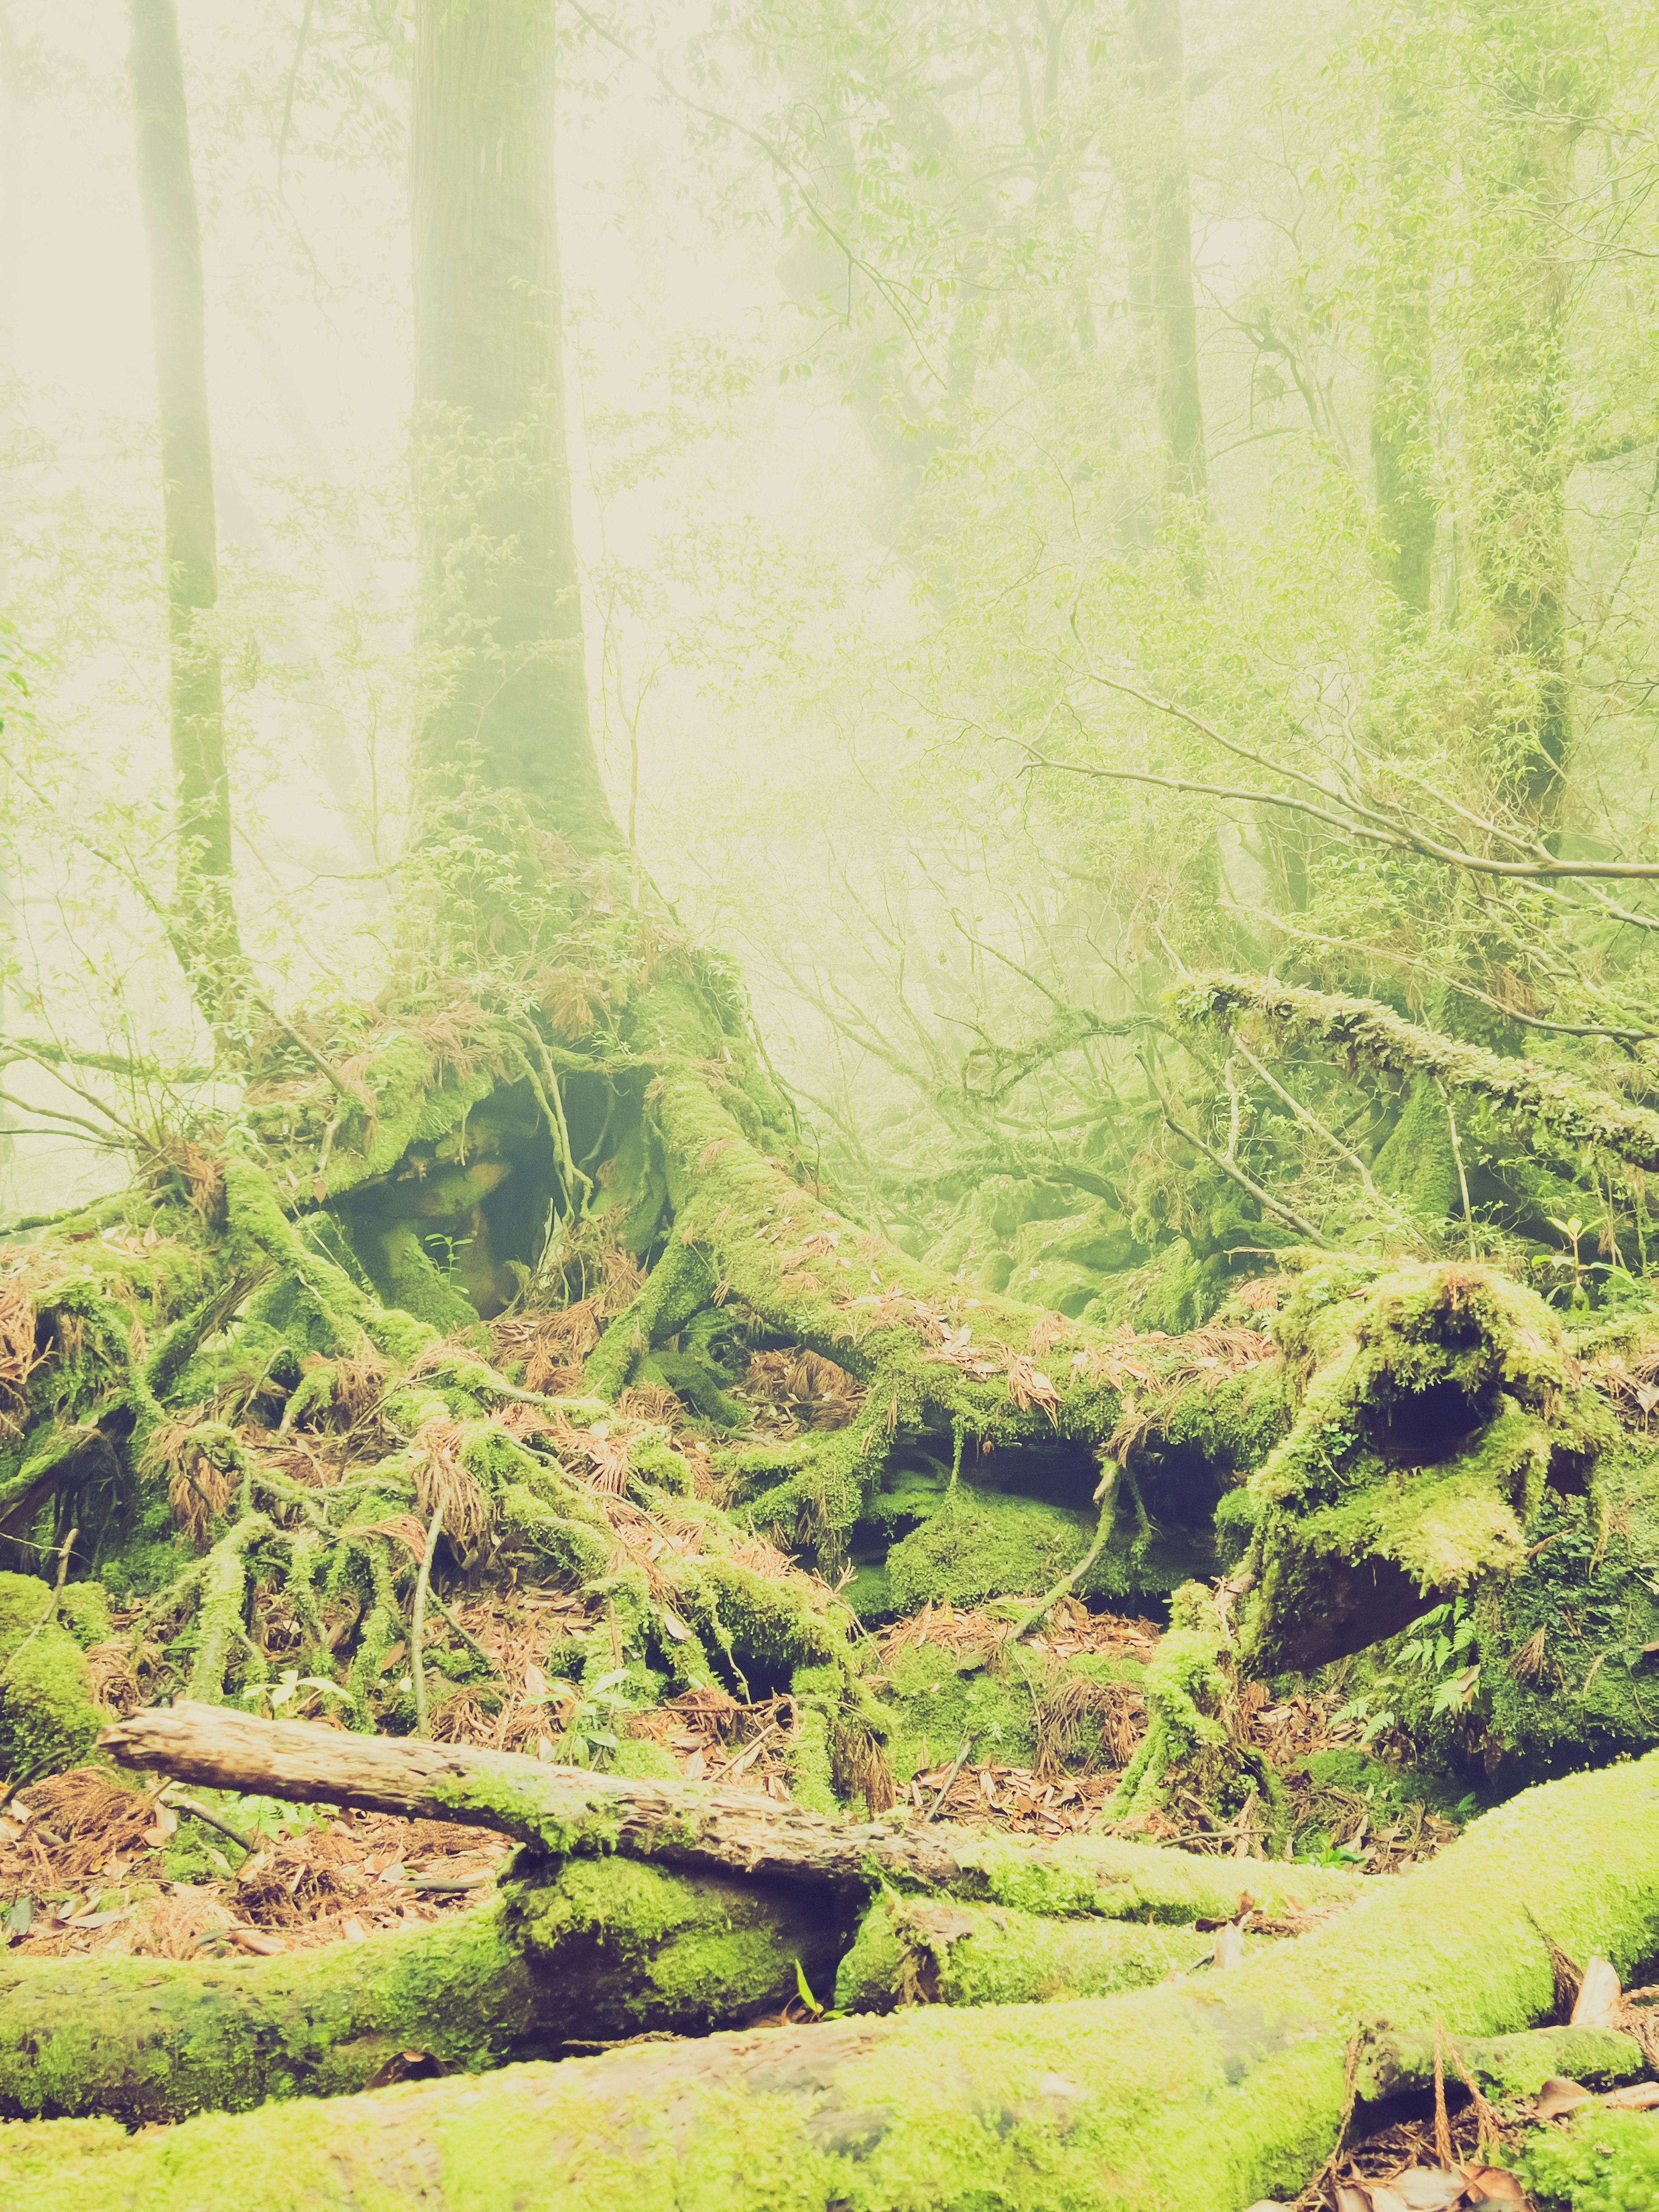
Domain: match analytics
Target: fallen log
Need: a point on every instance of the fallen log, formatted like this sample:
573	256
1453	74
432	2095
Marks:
599	1950
921	1950
562	1810
1199	2096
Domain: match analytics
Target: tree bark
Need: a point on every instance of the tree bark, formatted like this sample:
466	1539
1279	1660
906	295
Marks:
499	622
1195	2097
1537	85
203	921
566	1809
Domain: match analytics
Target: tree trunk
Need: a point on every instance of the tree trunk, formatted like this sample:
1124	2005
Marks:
501	626
1198	2096
1163	210
1537	84
202	925
1402	337
566	1808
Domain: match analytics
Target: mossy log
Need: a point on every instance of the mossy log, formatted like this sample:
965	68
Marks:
565	1809
597	1951
1392	2064
1195	2097
928	1951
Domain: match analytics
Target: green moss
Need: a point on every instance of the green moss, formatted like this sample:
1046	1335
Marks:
1431	1403
1602	2161
643	1761
936	1703
47	1718
980	1545
635	1947
908	1949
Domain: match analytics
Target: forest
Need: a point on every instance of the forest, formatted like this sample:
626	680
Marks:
828	852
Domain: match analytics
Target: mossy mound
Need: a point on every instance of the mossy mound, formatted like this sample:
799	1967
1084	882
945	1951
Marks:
938	1700
981	1545
47	1719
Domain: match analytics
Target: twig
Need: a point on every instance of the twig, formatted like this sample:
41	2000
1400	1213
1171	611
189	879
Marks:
249	1843
1308	1119
1106	1495
465	1634
933	1812
417	1627
1457	1154
356	1092
1286	1214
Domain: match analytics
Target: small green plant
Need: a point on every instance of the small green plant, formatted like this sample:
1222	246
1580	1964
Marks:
290	1689
584	1716
1438	1645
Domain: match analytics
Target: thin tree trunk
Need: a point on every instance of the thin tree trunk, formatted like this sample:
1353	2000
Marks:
1164	206
500	624
1402	341
203	921
1535	93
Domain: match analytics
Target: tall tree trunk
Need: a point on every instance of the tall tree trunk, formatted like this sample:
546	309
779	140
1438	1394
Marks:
1163	210
500	619
1402	335
203	921
1537	89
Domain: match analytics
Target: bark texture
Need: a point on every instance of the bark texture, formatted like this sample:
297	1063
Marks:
565	1808
501	618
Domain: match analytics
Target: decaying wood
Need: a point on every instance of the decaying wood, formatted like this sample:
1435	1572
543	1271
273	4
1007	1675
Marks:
1198	2096
567	1809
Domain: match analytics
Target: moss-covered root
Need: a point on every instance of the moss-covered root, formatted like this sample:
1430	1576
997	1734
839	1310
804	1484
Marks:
601	1951
1392	2063
1198	2096
918	1951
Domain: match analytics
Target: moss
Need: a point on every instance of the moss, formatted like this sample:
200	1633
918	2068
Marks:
635	1947
908	1949
1432	1401
936	1703
1602	2161
810	1765
1538	1102
980	1545
47	1718
640	1760
1197	2096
